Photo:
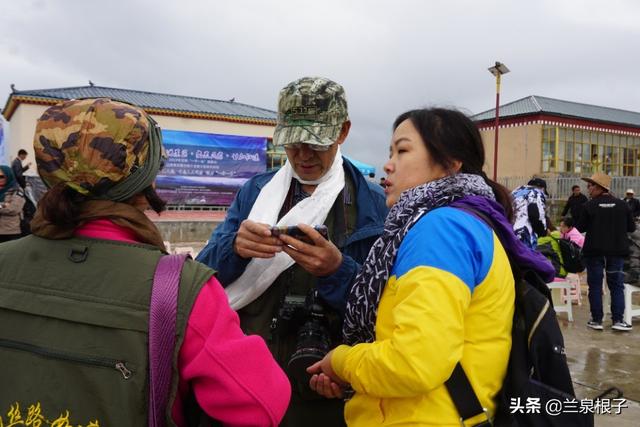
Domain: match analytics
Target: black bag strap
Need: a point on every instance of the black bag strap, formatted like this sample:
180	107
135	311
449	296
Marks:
463	396
460	389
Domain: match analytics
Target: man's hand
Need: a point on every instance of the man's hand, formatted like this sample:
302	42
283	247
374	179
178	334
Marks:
254	240
320	258
324	380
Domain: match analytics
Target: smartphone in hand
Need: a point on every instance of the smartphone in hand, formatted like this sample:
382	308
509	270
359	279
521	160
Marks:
294	231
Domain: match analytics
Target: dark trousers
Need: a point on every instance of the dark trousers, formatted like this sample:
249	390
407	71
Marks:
314	413
595	272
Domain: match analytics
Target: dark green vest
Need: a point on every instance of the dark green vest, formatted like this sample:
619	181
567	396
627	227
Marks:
73	329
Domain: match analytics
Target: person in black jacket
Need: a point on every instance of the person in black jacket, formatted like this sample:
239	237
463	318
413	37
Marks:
632	202
18	169
606	220
574	203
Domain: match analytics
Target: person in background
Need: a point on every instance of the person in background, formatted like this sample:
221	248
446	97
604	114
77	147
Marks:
548	246
74	331
317	185
606	220
530	211
372	177
574	203
568	231
632	202
19	169
436	289
11	203
550	227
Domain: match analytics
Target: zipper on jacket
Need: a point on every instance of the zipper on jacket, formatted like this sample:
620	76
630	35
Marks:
102	362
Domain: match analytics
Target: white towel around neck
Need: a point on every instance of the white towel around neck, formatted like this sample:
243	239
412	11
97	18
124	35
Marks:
262	272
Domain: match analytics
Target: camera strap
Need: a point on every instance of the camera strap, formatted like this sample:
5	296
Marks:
339	232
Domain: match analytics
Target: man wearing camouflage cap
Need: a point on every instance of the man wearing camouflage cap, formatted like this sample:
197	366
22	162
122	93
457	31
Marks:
316	186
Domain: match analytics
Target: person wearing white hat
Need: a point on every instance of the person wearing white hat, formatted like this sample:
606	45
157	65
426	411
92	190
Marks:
632	202
606	220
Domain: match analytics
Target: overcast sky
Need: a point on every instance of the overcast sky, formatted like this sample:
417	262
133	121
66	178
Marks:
389	55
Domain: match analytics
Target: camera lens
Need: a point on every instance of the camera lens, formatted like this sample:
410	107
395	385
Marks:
313	342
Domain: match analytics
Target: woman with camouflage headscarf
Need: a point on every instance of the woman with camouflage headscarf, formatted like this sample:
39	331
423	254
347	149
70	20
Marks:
11	203
74	312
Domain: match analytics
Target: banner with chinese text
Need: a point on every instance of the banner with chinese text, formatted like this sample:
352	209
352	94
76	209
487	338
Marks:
206	168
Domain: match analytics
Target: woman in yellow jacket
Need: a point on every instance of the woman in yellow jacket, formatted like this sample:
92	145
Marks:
436	288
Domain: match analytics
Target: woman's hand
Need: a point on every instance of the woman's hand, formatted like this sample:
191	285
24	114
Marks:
324	380
320	258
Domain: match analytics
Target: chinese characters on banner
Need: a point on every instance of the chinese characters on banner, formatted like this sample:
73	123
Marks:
208	169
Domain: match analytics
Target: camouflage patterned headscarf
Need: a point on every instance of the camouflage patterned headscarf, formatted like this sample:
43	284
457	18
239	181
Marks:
101	148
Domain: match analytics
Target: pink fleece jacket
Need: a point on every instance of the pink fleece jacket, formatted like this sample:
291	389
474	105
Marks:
574	235
233	376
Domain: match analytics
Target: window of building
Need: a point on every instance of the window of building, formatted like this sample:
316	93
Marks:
577	151
276	156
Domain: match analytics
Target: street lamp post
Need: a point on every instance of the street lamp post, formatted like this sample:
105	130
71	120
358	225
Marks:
497	70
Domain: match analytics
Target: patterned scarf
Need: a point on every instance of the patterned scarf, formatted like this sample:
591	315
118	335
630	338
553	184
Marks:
364	296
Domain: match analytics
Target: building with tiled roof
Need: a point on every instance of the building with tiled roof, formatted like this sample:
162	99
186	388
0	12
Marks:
174	112
154	103
546	136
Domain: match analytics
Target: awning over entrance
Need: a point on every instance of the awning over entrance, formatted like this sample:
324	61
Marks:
364	168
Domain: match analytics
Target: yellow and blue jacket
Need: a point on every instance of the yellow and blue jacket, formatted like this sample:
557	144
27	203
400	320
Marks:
450	298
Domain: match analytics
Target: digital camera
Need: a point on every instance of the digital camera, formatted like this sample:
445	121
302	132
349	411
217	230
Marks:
306	318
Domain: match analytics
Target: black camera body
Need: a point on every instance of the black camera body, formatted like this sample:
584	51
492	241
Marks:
290	316
305	317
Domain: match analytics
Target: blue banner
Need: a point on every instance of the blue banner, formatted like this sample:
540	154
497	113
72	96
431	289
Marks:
208	169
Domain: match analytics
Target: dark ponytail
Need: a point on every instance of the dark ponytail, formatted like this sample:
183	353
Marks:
154	200
503	195
61	205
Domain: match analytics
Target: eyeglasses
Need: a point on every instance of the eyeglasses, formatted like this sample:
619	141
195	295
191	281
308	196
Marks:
314	147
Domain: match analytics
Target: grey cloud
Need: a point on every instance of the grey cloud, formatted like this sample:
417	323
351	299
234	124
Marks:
390	56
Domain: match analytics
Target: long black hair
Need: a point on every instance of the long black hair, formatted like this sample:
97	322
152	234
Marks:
450	135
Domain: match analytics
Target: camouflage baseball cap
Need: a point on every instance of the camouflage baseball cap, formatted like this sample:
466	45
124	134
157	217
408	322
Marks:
311	110
101	148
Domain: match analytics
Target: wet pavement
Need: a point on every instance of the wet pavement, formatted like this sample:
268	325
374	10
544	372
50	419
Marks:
602	359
